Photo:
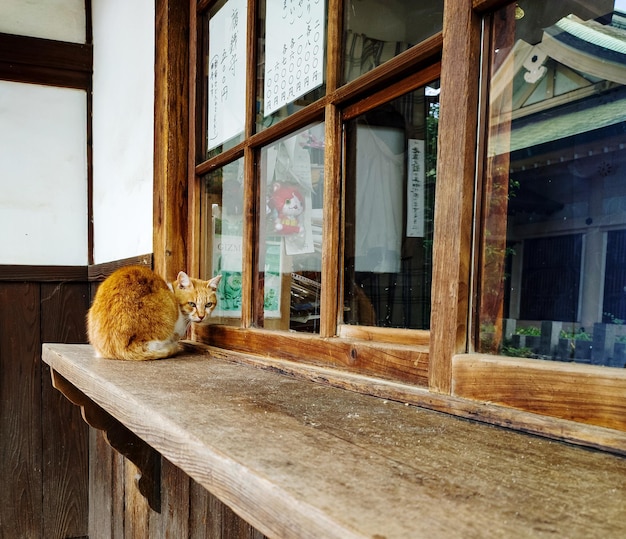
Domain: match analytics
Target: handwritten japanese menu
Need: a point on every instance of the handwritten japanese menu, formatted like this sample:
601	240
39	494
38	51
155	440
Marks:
415	189
227	72
294	50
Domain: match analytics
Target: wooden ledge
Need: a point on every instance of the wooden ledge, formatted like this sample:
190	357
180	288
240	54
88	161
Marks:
300	459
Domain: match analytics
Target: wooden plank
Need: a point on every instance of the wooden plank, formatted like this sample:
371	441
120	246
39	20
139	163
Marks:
251	309
211	518
392	335
455	190
171	137
107	471
137	513
331	225
100	487
45	52
334	42
20	404
45	61
407	62
575	392
65	468
197	125
99	272
175	501
199	514
281	453
397	361
557	429
63	310
40	274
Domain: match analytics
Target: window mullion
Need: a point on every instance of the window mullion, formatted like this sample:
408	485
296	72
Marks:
250	275
331	224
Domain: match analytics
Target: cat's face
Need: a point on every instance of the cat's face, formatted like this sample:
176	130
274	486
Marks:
196	298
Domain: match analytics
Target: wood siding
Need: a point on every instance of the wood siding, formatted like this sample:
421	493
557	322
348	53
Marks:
43	440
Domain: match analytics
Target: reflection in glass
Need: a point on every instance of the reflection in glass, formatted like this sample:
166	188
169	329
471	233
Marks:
292	57
221	239
390	183
378	30
290	243
553	252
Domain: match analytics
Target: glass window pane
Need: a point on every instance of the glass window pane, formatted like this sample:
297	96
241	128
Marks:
391	155
552	282
292	57
221	238
226	75
290	259
378	30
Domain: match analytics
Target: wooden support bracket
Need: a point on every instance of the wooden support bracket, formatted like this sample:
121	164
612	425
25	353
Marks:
119	438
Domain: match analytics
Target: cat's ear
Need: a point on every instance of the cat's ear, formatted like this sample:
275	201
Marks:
183	281
214	282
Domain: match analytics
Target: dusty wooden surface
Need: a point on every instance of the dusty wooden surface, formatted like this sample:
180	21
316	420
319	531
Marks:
299	459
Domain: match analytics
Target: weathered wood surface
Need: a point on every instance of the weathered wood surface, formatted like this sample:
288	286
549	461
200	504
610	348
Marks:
454	204
399	361
572	391
299	459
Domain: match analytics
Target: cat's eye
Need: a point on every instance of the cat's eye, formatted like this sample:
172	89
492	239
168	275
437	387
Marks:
208	305
191	304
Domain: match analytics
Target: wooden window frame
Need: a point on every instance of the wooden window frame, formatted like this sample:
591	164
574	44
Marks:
355	348
584	404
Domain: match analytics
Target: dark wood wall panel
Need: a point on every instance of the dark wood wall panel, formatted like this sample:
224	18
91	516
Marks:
45	61
20	401
43	440
65	466
106	491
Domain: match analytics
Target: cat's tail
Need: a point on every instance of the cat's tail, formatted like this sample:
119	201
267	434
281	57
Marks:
141	351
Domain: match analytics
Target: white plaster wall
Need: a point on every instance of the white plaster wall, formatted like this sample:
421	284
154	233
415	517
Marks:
123	128
43	175
62	20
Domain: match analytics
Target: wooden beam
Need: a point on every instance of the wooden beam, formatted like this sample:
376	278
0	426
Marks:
566	390
45	61
455	190
171	136
47	274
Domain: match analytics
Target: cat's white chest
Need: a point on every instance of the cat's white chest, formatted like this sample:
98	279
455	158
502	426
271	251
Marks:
182	323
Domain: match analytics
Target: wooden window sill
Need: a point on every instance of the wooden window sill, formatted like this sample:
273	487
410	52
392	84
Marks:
299	459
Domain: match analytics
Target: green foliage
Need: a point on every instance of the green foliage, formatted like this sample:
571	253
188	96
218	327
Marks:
512	351
532	331
580	335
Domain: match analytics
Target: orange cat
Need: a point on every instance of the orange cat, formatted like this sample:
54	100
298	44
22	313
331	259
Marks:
136	315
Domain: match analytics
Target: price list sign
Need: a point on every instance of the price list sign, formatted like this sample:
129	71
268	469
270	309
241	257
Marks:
227	72
294	50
